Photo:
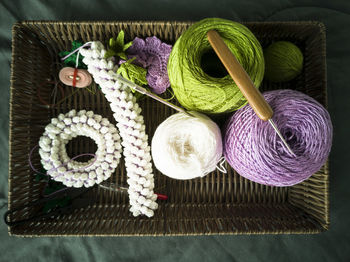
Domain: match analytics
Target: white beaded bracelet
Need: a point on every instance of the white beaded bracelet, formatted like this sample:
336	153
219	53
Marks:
61	130
131	126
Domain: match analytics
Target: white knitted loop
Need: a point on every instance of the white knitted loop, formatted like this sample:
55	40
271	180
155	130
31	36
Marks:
61	130
131	126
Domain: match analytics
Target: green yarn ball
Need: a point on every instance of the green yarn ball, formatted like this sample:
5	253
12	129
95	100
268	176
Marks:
198	78
283	61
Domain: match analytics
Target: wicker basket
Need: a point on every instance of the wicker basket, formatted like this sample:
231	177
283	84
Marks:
215	204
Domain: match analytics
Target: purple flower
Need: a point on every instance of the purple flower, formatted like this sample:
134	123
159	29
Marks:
153	55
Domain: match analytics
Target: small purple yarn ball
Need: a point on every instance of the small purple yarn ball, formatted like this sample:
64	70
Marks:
254	150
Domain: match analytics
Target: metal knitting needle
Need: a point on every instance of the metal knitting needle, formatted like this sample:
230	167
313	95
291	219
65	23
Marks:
150	94
244	83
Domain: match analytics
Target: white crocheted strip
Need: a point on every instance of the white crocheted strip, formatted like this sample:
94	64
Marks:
130	123
61	130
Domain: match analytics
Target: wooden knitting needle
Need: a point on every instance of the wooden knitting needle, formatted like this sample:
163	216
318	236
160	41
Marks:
243	81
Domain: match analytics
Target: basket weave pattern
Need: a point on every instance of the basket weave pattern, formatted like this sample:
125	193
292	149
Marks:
216	204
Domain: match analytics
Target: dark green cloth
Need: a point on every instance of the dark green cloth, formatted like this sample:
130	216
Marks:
332	245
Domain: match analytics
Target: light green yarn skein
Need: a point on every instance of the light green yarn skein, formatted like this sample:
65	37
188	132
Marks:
195	89
283	61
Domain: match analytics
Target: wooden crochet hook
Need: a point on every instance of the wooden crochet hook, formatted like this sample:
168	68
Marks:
243	81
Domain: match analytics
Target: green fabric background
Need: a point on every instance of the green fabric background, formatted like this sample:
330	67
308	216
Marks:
333	245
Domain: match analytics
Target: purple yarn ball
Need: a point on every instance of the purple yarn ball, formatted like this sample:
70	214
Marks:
254	150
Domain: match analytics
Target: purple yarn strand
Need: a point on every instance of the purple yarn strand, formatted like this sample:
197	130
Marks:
30	161
63	165
73	158
255	151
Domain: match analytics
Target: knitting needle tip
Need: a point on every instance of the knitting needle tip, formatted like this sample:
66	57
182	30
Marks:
154	96
280	135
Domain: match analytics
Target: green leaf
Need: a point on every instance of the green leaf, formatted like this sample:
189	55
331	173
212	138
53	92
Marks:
76	44
110	53
54	203
117	47
126	46
39	177
71	60
120	39
133	73
111	42
122	55
63	53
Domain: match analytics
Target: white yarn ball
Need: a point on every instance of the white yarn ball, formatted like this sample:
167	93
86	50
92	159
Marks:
185	147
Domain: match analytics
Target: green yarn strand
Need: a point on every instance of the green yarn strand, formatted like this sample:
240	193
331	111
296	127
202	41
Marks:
197	90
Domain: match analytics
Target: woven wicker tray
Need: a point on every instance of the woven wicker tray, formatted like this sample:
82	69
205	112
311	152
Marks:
215	204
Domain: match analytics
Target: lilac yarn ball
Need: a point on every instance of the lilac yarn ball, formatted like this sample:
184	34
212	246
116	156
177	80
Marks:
254	150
